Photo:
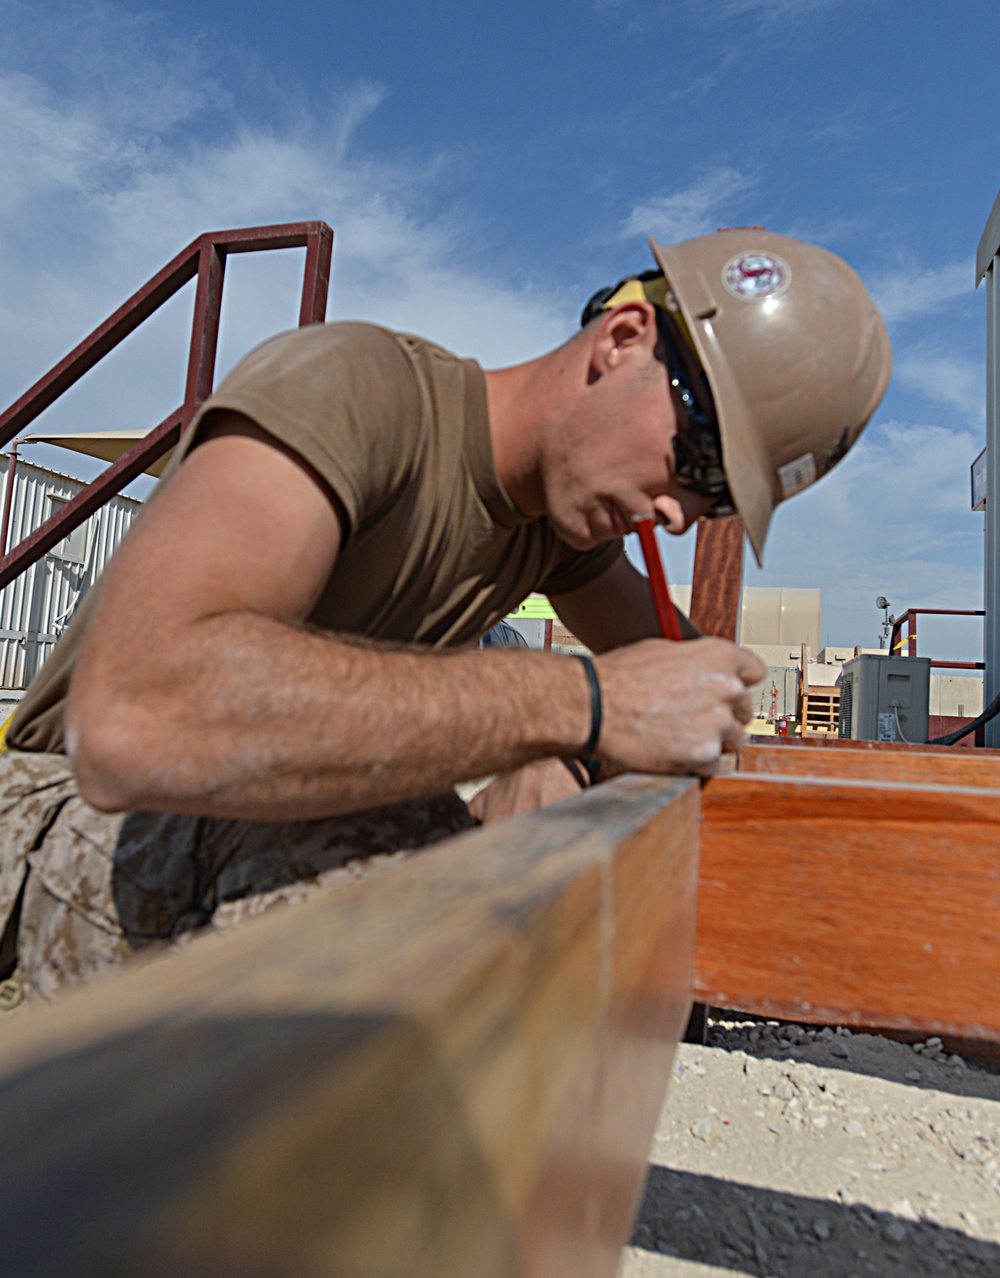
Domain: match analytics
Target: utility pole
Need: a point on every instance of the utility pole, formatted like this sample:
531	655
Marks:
988	267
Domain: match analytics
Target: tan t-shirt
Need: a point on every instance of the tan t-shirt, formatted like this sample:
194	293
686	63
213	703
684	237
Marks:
433	553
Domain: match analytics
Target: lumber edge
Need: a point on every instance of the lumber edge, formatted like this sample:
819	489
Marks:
343	1086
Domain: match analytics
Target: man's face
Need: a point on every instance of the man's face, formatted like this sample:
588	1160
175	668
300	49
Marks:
613	460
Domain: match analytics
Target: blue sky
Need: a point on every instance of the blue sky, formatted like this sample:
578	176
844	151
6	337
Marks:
486	167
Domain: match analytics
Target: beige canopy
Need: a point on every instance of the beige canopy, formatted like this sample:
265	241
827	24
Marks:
105	444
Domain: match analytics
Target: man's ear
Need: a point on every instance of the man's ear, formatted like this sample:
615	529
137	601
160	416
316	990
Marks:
628	329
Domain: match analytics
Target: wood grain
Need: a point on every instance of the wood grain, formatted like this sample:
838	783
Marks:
852	902
940	767
717	581
831	742
452	1069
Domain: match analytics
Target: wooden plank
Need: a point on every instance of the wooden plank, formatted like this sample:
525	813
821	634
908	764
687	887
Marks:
848	743
852	902
452	1069
975	768
717	581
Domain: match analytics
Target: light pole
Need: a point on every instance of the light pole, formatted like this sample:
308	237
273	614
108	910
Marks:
887	620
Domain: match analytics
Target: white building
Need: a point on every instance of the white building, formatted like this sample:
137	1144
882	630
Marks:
36	608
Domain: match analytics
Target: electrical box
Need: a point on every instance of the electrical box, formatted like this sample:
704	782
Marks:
885	698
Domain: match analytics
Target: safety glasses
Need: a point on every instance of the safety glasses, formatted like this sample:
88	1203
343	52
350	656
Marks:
697	445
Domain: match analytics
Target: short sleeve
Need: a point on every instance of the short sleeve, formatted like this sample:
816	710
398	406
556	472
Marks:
343	397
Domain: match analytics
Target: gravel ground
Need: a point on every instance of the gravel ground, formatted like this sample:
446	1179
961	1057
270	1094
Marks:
785	1152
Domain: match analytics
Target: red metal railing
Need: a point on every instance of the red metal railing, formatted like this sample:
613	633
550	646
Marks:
204	258
909	619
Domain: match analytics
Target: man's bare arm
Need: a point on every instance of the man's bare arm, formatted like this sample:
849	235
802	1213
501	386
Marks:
199	689
614	609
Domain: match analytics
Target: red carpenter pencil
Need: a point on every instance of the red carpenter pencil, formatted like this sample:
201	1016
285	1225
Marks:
645	526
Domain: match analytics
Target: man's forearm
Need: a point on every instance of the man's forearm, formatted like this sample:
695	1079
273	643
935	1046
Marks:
245	716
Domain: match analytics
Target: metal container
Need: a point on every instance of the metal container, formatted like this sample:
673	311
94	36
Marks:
885	698
36	608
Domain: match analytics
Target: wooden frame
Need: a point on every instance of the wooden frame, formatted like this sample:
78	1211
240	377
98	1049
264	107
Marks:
941	766
852	901
453	1068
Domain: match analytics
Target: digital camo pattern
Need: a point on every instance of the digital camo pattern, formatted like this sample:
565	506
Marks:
96	888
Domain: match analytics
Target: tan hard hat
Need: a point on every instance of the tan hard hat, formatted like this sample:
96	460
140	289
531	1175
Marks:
794	349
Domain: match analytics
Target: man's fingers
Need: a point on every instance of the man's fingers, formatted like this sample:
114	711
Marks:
749	667
743	707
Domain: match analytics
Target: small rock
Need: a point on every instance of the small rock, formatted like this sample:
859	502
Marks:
665	1248
913	1075
825	1034
821	1229
818	1120
896	1231
701	1129
933	1042
776	1128
956	1061
751	1065
854	1128
783	1089
904	1208
841	1050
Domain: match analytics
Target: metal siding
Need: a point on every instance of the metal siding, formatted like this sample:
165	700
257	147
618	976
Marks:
991	628
35	609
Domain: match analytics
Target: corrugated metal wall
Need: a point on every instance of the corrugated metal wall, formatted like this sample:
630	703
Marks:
36	608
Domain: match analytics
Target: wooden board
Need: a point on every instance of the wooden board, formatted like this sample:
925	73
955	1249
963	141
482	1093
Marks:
848	743
940	767
851	902
717	580
452	1069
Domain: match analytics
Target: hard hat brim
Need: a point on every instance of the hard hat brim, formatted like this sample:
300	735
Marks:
743	456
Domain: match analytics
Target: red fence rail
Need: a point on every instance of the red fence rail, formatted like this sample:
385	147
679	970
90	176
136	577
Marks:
204	258
909	620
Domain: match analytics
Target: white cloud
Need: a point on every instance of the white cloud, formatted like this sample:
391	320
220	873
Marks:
99	193
892	519
773	11
696	210
949	379
914	292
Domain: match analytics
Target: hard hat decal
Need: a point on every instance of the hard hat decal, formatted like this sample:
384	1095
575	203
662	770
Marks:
797	474
755	276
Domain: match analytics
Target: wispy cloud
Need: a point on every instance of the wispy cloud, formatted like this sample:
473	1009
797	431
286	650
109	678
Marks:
894	520
914	292
949	379
92	203
695	210
774	10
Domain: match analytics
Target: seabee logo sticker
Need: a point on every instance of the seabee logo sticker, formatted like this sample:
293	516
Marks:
752	277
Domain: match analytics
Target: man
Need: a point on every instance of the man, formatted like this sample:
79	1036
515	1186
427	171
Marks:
283	644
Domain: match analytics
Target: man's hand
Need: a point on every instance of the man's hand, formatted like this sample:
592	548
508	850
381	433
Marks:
525	789
675	707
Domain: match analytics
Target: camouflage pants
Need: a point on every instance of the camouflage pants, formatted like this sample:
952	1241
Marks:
81	890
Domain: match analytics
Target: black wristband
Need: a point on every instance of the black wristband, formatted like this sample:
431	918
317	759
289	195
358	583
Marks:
596	711
578	771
